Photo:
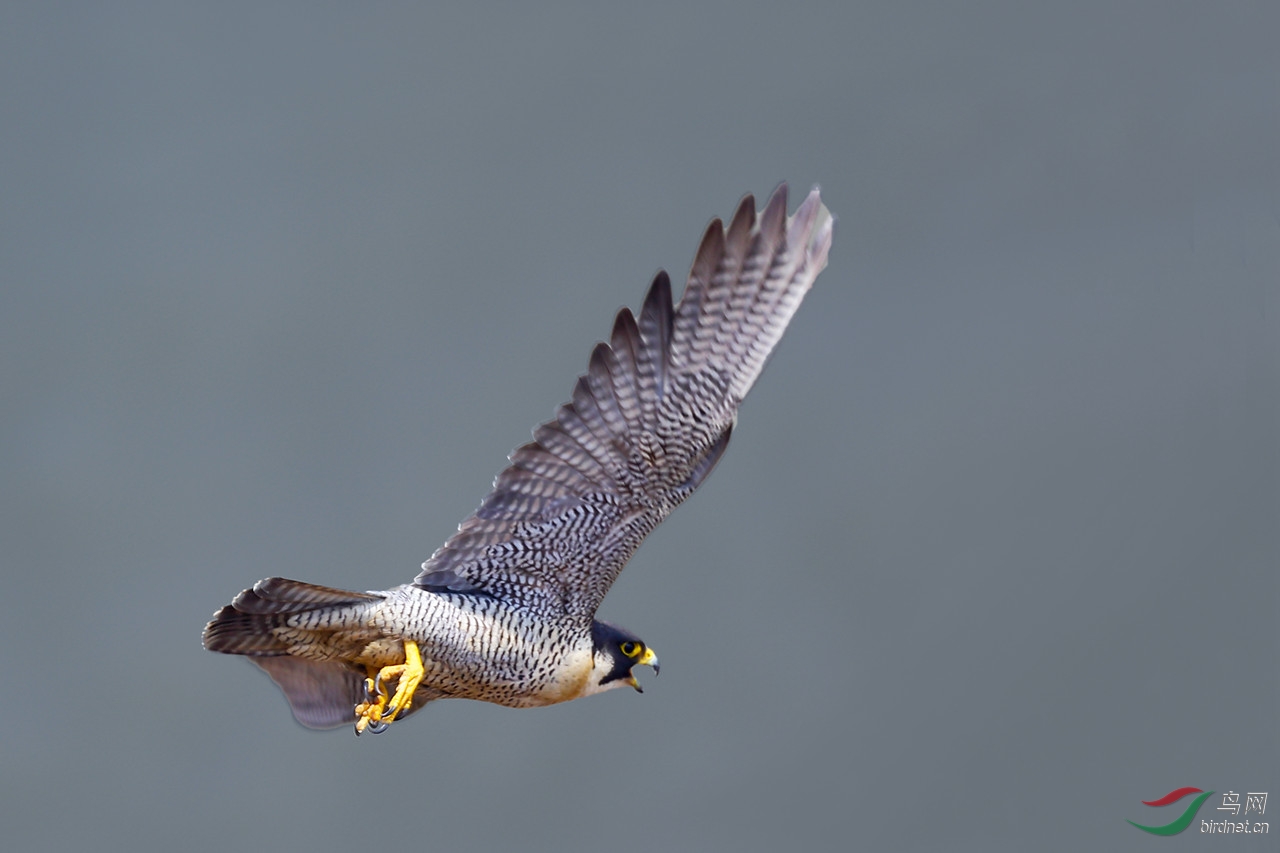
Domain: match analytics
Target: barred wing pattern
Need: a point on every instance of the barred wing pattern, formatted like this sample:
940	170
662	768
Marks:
647	422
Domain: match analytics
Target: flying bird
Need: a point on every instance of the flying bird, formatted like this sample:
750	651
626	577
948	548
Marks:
505	610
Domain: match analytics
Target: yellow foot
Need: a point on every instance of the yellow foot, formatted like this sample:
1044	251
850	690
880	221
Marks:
377	711
369	712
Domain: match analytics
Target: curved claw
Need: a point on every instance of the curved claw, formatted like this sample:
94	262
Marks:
377	701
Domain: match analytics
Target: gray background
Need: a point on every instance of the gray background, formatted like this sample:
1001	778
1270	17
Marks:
992	558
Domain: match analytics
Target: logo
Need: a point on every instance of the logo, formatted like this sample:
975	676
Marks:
1187	816
1255	801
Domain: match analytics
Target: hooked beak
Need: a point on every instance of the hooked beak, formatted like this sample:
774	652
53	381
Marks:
647	659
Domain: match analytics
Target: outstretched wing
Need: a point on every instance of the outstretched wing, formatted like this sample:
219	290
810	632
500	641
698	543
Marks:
647	423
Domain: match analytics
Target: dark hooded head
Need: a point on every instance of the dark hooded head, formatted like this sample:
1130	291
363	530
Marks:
615	653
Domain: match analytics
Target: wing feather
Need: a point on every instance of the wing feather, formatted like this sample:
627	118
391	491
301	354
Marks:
651	355
646	423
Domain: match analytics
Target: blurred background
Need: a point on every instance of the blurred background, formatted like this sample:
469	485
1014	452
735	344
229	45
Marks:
993	555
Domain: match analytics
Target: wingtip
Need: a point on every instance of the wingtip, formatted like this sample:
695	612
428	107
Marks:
778	196
813	225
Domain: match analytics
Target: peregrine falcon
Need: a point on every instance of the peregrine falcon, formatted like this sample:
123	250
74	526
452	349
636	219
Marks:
505	610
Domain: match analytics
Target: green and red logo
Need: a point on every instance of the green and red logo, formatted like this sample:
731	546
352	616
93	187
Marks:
1187	816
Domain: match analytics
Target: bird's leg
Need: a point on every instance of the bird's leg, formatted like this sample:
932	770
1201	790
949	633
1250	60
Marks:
377	711
410	672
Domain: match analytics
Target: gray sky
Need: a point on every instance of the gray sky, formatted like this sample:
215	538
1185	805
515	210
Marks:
993	555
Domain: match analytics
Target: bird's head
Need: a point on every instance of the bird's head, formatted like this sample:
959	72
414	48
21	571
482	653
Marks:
615	652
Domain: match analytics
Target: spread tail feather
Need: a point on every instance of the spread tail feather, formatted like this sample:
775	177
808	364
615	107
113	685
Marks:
247	625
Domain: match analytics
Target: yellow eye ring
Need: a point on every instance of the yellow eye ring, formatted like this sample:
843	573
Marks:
630	649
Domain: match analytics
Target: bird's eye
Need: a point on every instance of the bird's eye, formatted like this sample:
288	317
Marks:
630	649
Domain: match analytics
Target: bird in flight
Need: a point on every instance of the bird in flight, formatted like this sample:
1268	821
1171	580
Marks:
505	610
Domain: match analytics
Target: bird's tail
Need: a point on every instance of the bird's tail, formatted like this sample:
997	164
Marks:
322	693
248	625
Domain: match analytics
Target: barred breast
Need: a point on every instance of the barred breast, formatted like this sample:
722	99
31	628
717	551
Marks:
482	648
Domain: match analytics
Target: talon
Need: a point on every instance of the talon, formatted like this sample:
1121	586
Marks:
411	673
378	711
369	712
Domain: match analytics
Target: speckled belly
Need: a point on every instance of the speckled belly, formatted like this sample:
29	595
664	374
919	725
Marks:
474	649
